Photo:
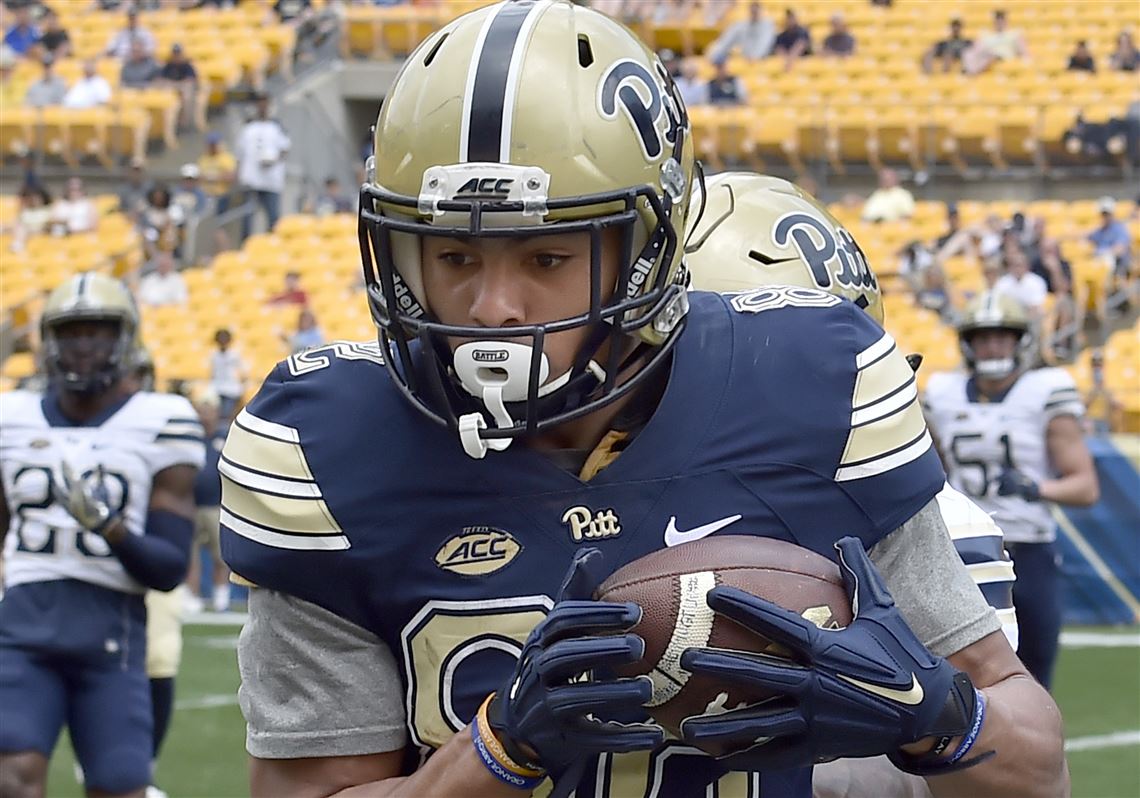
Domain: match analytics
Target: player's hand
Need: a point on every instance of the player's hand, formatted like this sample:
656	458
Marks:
85	498
559	706
1012	482
864	690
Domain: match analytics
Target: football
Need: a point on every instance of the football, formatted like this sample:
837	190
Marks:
670	587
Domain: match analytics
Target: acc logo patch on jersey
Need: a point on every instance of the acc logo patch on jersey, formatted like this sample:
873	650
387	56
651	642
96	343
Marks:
478	551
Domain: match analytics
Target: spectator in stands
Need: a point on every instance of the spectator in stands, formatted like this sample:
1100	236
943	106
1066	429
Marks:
55	41
160	221
312	26
90	90
1111	241
218	169
948	52
753	37
50	89
725	88
74	212
1051	266
794	41
1104	413
179	74
890	202
189	194
261	150
23	37
308	334
694	91
133	192
123	41
839	43
1125	58
953	226
33	217
1002	43
330	200
1020	283
1061	335
228	374
208	501
292	293
1082	59
164	285
140	69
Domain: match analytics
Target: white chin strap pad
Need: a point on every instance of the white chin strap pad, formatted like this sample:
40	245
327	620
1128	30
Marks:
495	372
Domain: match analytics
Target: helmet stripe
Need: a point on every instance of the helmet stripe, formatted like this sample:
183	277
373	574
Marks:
484	136
81	289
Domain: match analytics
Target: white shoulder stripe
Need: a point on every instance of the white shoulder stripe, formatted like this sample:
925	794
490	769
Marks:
267	484
887	463
279	540
269	429
1009	627
874	351
885	406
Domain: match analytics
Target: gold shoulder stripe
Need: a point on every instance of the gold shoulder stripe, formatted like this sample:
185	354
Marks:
884	436
270	429
874	351
887	462
283	513
249	447
264	483
881	380
984	573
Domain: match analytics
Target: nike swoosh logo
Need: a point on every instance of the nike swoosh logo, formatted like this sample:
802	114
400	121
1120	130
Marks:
912	697
675	537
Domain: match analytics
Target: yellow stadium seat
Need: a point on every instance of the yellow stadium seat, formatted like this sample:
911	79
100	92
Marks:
17	136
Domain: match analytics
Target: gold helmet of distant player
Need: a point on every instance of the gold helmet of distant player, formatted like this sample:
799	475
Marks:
516	120
993	311
88	331
757	230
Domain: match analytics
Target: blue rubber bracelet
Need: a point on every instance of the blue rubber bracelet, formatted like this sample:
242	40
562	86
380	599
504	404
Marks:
497	770
975	730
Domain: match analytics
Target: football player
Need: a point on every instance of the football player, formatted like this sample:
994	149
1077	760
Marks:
758	230
426	519
1011	439
97	483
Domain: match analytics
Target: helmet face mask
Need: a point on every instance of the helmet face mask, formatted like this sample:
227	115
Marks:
88	332
630	185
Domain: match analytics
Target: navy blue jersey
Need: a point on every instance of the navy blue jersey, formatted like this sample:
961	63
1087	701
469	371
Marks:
788	413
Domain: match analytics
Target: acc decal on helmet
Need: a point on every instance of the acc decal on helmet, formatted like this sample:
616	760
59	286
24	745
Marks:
757	230
523	119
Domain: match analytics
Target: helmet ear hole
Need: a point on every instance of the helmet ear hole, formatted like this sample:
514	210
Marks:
435	49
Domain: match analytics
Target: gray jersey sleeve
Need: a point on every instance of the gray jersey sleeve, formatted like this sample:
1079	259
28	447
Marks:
931	586
314	685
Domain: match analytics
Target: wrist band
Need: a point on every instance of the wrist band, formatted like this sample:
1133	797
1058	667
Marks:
975	729
495	758
931	764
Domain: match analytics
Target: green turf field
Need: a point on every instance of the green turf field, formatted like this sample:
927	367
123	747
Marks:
1098	689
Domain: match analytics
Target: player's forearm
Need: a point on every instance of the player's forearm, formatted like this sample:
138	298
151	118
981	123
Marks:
454	771
159	559
1023	727
1079	489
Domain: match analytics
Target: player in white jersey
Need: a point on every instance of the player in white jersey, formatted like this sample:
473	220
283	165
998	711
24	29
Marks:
97	488
1011	440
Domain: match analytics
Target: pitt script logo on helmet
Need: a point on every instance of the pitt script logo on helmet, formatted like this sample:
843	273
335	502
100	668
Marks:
88	297
564	123
758	230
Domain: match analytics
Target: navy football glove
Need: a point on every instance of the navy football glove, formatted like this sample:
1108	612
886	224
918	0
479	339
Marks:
557	704
861	691
1012	482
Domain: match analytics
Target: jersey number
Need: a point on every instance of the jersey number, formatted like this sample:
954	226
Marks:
455	654
980	481
40	538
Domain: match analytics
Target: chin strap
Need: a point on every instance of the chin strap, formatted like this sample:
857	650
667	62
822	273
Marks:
498	372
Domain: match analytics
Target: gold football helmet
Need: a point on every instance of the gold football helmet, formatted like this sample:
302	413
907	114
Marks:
993	311
523	119
757	230
74	357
